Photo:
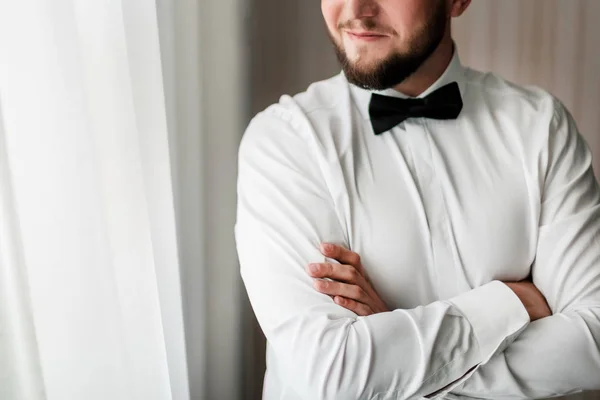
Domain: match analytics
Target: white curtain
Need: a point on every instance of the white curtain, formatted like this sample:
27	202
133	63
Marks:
90	294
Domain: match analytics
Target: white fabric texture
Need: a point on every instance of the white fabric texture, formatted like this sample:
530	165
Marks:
90	297
439	211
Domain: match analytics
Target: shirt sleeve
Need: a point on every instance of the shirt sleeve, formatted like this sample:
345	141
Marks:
323	350
560	354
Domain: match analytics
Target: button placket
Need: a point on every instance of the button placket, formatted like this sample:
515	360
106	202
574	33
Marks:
435	210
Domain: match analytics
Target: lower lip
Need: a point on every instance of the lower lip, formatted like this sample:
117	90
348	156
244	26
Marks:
365	38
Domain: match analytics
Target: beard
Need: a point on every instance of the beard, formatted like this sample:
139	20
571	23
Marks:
396	67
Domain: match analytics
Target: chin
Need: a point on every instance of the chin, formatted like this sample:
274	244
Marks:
366	65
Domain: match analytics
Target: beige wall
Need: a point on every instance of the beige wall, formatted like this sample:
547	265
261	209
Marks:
550	43
554	44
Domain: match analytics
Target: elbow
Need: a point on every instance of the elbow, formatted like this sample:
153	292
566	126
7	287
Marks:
334	378
336	364
587	344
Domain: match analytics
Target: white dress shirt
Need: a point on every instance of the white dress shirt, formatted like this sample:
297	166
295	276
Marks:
441	212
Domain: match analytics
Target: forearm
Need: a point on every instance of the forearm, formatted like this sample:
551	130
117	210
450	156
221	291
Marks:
328	352
554	356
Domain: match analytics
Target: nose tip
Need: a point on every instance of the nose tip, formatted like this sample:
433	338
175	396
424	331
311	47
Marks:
362	8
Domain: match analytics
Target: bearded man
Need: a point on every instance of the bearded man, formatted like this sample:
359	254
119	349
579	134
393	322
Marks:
412	228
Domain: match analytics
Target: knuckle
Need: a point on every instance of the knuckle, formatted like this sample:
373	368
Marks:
349	304
335	250
358	292
321	285
330	269
364	311
314	268
353	306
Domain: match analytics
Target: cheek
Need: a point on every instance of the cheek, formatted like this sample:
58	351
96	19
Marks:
403	20
332	10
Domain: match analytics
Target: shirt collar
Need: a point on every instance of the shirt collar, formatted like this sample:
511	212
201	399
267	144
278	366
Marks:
455	72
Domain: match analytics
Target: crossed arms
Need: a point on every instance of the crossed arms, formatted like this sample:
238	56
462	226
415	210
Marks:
479	344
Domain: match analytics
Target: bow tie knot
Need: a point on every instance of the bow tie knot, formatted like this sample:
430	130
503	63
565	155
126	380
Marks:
386	112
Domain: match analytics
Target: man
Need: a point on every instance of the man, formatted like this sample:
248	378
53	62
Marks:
463	212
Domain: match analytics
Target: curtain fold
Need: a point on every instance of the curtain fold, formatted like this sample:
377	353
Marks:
20	372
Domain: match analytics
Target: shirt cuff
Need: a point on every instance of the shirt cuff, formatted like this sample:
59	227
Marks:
496	315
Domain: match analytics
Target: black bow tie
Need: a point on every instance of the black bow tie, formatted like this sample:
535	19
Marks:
386	112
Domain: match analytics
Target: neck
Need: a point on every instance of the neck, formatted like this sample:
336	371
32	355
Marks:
429	71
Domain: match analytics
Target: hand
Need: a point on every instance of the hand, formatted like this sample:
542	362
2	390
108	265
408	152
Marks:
351	287
533	300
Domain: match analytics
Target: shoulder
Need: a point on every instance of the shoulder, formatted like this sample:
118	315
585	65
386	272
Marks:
529	100
324	96
291	120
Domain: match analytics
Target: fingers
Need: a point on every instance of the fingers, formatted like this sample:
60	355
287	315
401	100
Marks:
341	254
338	272
349	284
357	308
349	291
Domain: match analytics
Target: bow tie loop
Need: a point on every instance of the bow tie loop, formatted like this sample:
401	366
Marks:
386	112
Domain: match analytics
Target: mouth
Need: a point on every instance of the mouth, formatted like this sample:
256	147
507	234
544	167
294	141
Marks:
365	36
